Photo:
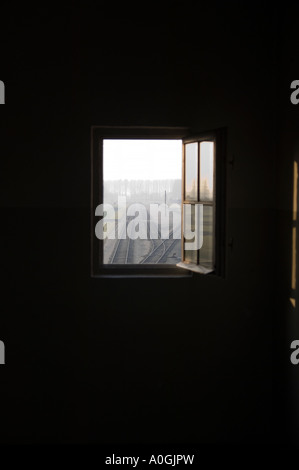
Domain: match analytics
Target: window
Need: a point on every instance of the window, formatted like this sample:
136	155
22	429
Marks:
157	201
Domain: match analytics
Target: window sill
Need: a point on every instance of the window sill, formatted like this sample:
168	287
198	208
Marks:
195	268
136	271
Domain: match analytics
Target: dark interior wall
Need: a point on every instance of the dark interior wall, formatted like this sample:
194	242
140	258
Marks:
165	360
287	154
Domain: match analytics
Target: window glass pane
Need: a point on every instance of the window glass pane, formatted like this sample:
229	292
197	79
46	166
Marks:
142	200
190	255
206	171
206	251
191	153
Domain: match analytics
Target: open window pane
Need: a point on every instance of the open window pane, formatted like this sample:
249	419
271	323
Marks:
206	171
200	193
191	169
206	254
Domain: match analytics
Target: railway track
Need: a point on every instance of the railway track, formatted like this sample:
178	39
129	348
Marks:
160	252
122	251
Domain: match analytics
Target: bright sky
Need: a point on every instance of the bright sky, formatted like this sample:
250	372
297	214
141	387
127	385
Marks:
142	159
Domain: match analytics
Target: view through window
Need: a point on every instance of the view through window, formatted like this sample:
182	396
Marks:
142	190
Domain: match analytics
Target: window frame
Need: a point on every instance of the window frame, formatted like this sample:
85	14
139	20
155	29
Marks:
218	137
98	134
